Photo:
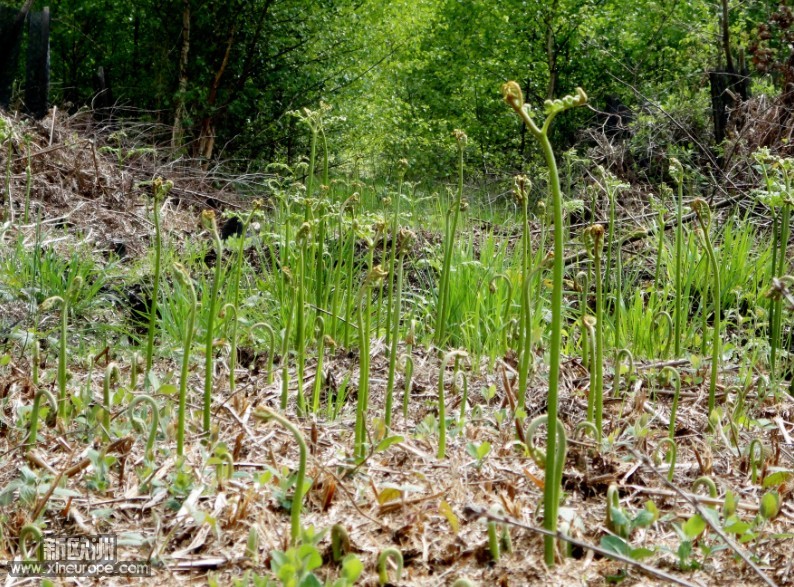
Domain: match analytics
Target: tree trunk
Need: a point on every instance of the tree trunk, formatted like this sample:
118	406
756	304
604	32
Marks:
177	137
206	141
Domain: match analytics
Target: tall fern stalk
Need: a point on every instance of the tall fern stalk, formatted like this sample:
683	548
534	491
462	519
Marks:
703	212
677	173
209	221
551	493
159	189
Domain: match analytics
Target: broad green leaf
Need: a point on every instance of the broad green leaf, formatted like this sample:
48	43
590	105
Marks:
777	478
352	568
384	444
615	544
694	526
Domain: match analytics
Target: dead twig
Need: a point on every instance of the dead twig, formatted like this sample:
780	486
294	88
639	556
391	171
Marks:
473	511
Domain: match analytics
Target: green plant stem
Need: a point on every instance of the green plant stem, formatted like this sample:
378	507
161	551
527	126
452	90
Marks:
395	335
182	276
210	343
232	309
383	561
408	376
297	501
442	414
319	327
160	190
149	401
34	414
111	375
551	492
701	207
672	448
271	350
679	294
672	372
525	321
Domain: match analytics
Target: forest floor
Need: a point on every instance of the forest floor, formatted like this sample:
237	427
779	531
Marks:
194	525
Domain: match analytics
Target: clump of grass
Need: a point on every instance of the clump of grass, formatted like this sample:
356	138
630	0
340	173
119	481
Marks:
450	228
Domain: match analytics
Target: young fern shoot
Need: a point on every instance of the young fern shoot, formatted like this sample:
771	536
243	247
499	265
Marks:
515	98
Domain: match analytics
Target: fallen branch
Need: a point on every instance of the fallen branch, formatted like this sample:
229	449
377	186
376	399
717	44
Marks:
473	511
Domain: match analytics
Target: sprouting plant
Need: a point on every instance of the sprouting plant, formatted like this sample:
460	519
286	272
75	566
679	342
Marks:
756	457
551	462
478	451
31	531
238	263
442	424
493	541
404	239
289	279
271	350
394	250
297	500
302	239
707	483
231	309
111	376
673	373
515	98
389	554
508	297
319	331
521	189
34	414
364	303
209	222
623	355
462	582
450	227
588	331
65	303
672	454
703	213
184	280
223	461
340	542
135	365
139	424
777	196
582	281
662	317
160	189
408	371
612	186
677	173
617	520
464	399
594	237
585	428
